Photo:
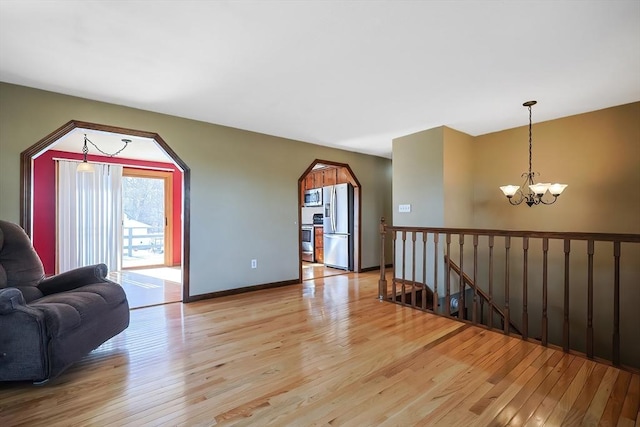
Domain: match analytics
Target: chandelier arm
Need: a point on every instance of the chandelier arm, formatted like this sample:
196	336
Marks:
515	203
548	203
126	142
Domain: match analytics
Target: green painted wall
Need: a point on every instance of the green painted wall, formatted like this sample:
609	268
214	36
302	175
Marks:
244	185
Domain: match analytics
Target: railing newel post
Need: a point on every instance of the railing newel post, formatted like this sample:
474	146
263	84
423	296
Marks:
475	279
590	252
413	269
424	270
525	288
507	319
382	283
462	303
447	278
394	286
545	320
436	300
491	242
403	297
616	303
565	325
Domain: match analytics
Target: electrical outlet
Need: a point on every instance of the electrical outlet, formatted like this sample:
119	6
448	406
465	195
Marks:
254	263
404	208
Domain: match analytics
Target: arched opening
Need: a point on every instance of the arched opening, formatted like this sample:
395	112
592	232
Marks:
320	174
27	173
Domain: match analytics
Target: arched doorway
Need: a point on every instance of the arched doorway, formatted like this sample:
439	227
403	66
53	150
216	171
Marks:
321	173
26	169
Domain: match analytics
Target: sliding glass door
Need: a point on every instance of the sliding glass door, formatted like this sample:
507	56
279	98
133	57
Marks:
146	203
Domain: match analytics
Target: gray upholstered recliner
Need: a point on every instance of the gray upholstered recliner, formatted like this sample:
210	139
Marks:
46	324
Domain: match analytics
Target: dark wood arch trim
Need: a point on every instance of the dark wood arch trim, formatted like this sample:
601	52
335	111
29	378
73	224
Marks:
357	195
26	171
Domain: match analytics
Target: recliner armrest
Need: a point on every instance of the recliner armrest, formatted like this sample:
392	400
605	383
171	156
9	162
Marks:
10	300
73	279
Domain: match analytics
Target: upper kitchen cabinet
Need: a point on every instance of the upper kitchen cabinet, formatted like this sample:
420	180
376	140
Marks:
310	181
330	176
344	176
322	177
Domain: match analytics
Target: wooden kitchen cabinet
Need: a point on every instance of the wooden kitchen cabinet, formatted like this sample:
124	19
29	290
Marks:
318	239
330	176
343	175
313	179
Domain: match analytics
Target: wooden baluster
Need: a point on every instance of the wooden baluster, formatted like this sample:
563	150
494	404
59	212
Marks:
616	304
435	272
403	298
413	269
590	250
447	278
382	283
565	327
462	306
545	320
475	278
424	270
491	238
525	288
394	289
507	320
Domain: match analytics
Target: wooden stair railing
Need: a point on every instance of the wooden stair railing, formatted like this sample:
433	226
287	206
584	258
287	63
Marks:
483	297
603	267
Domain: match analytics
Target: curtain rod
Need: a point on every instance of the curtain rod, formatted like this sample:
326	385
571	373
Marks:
121	164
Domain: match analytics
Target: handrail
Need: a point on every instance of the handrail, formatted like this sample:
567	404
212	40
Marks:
482	293
600	267
572	235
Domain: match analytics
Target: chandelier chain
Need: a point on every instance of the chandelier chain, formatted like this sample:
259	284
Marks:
530	140
85	149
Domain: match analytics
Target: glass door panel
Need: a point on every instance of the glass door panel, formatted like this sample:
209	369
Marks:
144	221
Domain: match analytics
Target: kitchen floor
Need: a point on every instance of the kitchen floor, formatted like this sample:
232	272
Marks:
311	270
152	286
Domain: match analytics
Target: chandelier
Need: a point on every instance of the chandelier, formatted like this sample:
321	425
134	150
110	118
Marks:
536	192
88	167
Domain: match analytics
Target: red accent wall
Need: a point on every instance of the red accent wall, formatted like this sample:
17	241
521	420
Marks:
44	202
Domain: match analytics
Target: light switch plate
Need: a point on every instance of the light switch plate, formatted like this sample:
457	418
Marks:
404	208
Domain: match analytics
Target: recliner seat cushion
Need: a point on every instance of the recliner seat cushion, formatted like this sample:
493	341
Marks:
68	310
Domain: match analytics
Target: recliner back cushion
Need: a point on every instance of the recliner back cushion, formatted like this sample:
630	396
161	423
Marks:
20	266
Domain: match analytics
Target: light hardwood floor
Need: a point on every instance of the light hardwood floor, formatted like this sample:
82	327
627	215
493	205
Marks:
325	352
312	270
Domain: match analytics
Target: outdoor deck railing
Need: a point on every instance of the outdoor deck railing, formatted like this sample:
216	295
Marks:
575	291
142	240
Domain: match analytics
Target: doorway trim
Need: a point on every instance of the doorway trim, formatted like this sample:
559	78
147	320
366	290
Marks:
357	214
26	183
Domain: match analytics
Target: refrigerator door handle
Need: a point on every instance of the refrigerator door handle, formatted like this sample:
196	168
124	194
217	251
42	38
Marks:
334	209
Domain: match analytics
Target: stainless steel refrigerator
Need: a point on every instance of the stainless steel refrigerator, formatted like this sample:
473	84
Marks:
338	226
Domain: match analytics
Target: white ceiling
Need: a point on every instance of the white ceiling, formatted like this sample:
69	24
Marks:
348	74
138	147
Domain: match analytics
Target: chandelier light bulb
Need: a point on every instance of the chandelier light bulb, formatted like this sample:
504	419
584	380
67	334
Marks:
510	190
540	188
557	189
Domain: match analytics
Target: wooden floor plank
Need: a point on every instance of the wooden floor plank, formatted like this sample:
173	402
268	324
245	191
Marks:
324	352
631	408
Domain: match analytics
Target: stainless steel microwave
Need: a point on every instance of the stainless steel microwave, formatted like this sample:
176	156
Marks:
313	197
